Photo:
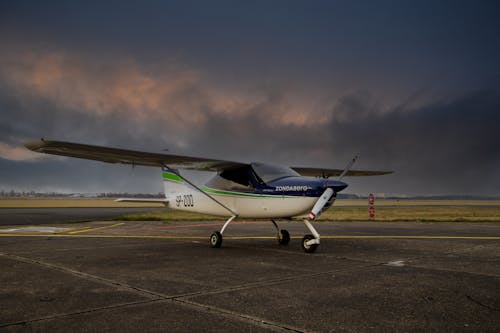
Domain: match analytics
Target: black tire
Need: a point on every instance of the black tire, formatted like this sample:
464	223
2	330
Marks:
284	237
308	248
215	239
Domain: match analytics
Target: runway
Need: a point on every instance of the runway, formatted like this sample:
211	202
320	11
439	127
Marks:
151	276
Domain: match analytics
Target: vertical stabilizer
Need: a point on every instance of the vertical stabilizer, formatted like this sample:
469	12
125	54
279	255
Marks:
172	183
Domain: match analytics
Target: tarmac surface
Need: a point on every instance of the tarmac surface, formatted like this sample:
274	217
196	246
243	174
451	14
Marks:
27	216
110	276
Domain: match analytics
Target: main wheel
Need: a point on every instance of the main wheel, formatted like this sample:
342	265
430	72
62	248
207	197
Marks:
216	239
311	247
284	237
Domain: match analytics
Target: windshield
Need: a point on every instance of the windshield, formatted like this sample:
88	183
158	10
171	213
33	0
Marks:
268	172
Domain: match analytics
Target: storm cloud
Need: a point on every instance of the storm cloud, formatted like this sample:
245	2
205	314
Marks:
437	140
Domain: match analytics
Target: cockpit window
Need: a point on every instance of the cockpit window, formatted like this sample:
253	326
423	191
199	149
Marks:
237	175
269	172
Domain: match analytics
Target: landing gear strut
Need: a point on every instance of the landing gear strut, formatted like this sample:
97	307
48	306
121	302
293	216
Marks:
283	235
216	237
310	242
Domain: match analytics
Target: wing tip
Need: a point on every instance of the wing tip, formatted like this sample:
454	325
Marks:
35	145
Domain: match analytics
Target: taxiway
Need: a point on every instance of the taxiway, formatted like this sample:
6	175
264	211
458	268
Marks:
150	276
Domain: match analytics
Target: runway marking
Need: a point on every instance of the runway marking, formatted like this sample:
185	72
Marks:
396	263
93	229
40	229
410	237
215	224
187	226
79	235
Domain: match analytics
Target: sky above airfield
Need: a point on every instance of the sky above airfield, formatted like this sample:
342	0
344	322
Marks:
409	86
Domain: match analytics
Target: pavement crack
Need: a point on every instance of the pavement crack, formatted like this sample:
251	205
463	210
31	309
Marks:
475	301
270	282
75	313
139	291
275	326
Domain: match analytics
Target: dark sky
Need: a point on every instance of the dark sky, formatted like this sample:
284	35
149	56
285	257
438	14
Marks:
409	86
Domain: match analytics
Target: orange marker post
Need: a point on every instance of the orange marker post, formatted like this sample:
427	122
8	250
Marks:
371	205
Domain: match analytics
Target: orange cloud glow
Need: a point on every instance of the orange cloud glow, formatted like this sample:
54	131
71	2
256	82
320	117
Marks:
16	153
164	92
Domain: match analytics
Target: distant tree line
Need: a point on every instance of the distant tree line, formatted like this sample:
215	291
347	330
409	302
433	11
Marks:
33	194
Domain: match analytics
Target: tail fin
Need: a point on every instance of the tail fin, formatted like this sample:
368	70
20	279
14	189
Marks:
172	184
171	176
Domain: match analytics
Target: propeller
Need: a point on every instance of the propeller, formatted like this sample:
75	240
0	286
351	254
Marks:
348	167
328	193
318	206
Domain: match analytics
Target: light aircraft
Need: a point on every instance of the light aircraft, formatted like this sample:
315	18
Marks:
244	190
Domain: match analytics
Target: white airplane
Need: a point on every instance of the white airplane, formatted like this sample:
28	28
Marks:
244	190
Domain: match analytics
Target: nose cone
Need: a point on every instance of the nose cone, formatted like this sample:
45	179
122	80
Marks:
336	185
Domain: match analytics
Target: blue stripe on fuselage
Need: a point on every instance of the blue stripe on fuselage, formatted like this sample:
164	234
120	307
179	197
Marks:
300	186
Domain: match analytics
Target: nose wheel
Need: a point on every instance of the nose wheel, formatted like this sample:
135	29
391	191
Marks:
309	244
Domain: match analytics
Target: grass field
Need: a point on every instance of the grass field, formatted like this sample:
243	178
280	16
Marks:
430	214
416	213
343	210
409	202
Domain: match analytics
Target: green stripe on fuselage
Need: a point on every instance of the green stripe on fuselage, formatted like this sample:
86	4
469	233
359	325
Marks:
172	176
242	194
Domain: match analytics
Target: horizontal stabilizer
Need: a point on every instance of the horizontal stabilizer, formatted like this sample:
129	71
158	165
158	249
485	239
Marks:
145	200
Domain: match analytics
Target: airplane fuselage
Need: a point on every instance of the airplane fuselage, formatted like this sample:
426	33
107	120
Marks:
284	197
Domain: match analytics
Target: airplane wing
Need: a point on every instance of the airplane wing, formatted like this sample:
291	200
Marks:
125	156
322	172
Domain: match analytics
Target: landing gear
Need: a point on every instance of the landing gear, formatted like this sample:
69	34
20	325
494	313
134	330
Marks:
283	235
310	242
216	239
307	246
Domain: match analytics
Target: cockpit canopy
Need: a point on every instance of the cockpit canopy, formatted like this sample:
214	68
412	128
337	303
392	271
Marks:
248	176
269	172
